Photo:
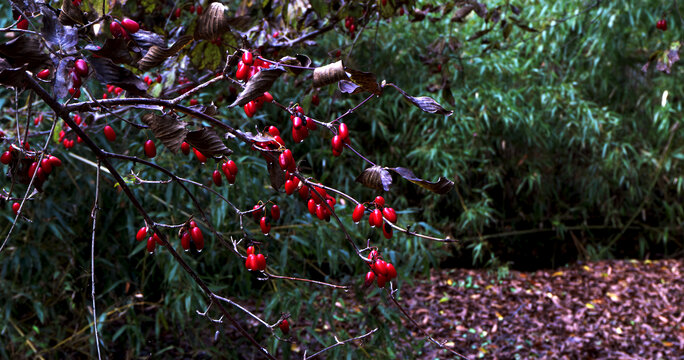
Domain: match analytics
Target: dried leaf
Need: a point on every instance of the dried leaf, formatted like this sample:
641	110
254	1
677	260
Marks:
64	37
62	78
367	81
424	103
349	87
241	23
257	85
146	39
206	141
108	73
114	49
276	174
168	129
156	55
212	23
480	33
10	76
25	50
462	12
71	14
329	74
297	60
265	137
375	177
442	186
525	27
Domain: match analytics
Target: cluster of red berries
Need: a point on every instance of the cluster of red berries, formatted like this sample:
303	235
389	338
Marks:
69	143
349	24
259	214
340	139
38	119
229	169
148	80
192	233
152	241
255	262
248	67
378	212
185	148
41	170
661	24
112	89
123	28
79	71
301	124
381	271
198	9
316	198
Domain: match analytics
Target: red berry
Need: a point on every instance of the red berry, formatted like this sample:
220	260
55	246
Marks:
284	326
6	157
279	140
251	262
312	206
200	156
15	208
357	215
273	131
265	225
158	79
229	175
151	244
257	213
380	267
43	74
116	29
197	238
32	169
242	72
380	201
185	240
304	192
199	9
232	167
387	230
157	239
290	187
185	148
130	25
320	212
250	250
76	80
261	262
268	97
297	122
391	271
55	161
216	176
343	131
150	149
382	280
192	224
46	166
193	102
275	212
370	277
282	161
310	124
22	24
76	93
337	144
247	58
81	67
373	220
661	24
389	214
109	133
314	99
373	255
177	12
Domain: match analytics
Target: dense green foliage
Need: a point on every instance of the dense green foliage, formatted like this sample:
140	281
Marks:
558	145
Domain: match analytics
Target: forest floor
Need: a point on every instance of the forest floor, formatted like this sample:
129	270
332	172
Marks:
604	310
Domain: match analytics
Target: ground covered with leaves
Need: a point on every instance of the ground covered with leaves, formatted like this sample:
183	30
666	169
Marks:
604	310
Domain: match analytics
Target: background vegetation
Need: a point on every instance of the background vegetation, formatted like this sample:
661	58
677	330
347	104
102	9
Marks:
562	148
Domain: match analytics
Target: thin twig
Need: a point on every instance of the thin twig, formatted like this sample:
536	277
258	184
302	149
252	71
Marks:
338	343
93	215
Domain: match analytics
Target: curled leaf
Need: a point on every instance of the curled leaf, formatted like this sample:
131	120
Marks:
25	50
144	40
367	81
424	103
442	186
62	78
329	74
168	129
276	174
10	76
375	177
297	60
156	55
257	85
206	141
212	23
114	49
71	14
108	73
349	87
64	37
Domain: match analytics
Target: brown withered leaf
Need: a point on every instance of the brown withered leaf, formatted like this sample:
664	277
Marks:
10	76
114	49
206	141
257	85
462	12
366	80
276	174
156	55
442	186
348	87
168	129
71	14
297	60
25	50
62	78
424	103
212	23
329	74
375	177
108	73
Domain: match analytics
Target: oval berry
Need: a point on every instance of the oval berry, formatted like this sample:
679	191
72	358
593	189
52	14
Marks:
6	157
391	271
297	122
343	131
357	215
247	58
275	212
242	71
216	176
265	225
15	208
43	74
389	214
55	161
250	250
261	262
116	29
32	169
109	133
382	280
46	166
150	149
151	244
290	187
81	67
380	201
370	277
273	131
284	326
157	239
197	238
185	148
387	230
257	212
282	161
311	205
22	24
232	167
251	262
304	192
130	25
268	97
310	124
185	241
320	212
200	157
337	144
